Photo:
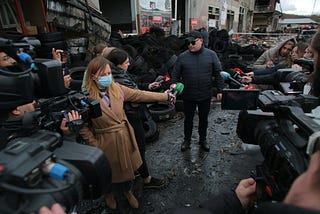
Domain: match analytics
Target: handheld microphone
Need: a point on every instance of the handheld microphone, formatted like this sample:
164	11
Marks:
159	78
163	79
226	76
26	58
178	89
235	73
172	87
175	89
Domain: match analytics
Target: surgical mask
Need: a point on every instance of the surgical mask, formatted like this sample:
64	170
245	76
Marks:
105	81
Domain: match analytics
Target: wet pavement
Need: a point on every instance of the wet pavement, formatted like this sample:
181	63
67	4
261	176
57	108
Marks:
193	176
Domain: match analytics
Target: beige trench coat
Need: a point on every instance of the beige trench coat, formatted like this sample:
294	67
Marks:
113	134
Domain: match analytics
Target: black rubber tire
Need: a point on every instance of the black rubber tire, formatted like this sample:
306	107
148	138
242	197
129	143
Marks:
44	51
130	50
138	62
161	111
78	60
151	131
220	46
50	37
76	75
171	62
154	137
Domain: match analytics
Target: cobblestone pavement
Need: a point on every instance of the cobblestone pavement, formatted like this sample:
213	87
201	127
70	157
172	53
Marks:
193	176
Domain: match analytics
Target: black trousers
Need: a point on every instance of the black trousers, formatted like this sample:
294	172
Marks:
203	112
135	119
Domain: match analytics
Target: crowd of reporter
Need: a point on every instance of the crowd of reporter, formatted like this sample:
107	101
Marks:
303	196
113	134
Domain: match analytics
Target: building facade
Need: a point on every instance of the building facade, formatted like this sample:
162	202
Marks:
136	16
235	15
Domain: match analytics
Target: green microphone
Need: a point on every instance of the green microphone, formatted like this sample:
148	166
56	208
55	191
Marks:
175	89
178	89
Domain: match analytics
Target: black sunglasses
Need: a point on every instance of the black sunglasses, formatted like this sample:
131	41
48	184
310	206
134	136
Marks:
193	42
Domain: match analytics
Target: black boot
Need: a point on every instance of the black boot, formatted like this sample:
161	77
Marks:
204	145
185	145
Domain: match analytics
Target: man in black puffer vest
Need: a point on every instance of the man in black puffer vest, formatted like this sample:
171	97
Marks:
195	68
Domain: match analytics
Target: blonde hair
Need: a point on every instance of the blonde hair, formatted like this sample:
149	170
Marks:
97	50
95	66
106	51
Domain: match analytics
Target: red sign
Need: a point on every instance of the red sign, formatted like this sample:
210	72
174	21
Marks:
194	22
156	19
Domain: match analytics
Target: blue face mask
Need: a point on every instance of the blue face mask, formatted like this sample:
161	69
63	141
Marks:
105	81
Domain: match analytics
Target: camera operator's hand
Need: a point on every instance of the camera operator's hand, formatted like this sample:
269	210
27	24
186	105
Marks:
305	190
73	115
55	209
296	66
59	55
67	80
246	192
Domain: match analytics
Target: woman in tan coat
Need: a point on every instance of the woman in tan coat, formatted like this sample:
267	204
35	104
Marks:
112	132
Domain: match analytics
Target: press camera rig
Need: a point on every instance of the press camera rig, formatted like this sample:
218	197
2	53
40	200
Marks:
43	169
52	110
38	167
281	128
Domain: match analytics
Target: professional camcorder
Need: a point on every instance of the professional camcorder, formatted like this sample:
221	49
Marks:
51	111
280	126
43	169
37	166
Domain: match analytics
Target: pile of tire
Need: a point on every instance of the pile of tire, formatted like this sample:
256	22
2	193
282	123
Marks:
77	51
151	56
48	41
76	74
219	41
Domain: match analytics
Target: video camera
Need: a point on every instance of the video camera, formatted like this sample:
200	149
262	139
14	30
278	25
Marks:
43	169
279	125
51	111
305	63
39	168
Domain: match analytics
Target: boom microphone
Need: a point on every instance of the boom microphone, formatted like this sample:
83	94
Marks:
226	76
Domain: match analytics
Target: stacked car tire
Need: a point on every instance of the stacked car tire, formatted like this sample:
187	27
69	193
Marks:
48	41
